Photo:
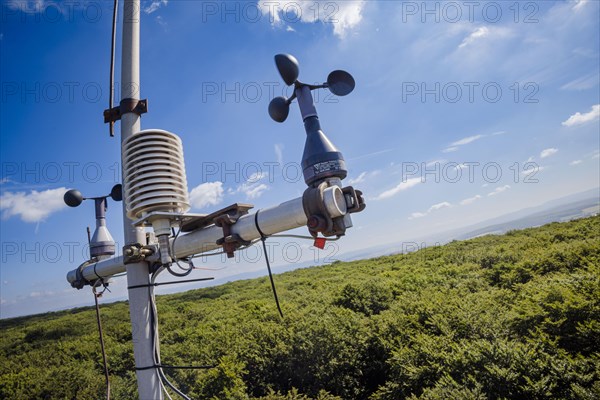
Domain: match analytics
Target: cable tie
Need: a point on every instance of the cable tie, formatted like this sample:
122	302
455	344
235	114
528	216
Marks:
262	234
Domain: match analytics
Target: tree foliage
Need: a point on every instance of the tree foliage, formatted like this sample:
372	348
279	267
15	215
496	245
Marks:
514	316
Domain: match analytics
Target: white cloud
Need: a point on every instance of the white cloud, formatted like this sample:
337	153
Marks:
257	176
431	209
254	191
580	119
45	293
435	162
399	188
548	152
279	153
583	83
467	140
416	215
439	206
499	189
454	146
349	15
5	302
161	21
155	5
253	188
375	153
484	35
579	4
575	162
207	194
346	15
532	169
478	33
450	149
33	206
470	200
358	179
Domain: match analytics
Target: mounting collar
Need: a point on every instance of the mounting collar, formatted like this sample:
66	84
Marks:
136	106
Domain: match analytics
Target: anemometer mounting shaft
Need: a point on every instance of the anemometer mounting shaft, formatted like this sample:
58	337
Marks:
305	101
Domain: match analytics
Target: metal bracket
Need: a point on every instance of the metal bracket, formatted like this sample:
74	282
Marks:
134	253
319	220
136	106
224	219
183	219
354	200
318	217
199	221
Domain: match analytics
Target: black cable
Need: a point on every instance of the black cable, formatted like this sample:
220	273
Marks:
169	283
260	232
172	250
111	93
180	275
154	332
106	375
263	238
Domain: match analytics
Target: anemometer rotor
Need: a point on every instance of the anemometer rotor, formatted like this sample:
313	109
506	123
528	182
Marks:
74	198
321	160
339	82
102	245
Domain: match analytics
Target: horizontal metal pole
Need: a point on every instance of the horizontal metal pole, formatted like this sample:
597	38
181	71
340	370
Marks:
101	269
280	218
286	216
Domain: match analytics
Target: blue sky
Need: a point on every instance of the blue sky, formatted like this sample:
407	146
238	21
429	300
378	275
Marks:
463	111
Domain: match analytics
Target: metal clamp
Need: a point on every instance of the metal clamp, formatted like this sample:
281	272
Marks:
319	219
135	252
135	106
354	200
224	219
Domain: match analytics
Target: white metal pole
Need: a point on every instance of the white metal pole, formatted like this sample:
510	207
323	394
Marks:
138	273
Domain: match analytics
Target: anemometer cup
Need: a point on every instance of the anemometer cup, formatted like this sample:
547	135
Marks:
288	68
279	109
340	83
73	198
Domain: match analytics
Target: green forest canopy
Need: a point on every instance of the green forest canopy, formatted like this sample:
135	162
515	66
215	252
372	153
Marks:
514	316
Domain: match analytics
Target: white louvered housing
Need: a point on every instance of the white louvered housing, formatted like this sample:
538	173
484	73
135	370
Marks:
154	174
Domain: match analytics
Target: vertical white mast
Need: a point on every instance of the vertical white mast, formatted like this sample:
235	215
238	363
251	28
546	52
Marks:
138	273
